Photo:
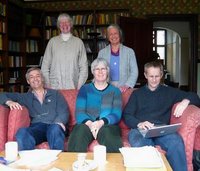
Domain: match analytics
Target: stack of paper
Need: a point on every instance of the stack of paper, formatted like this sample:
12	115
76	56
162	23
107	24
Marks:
146	157
37	157
6	168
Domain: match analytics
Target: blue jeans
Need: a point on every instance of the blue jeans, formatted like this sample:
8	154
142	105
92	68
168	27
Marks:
171	143
28	138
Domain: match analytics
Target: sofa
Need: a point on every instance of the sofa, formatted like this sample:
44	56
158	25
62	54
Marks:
12	120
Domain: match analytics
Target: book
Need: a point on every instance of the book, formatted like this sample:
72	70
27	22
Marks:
146	157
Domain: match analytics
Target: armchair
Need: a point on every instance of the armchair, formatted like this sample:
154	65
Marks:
4	112
190	131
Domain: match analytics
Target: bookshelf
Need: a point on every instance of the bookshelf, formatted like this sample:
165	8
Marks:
3	43
89	25
21	44
34	37
24	34
15	53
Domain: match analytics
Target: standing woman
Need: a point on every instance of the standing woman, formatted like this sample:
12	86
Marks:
65	62
121	59
98	111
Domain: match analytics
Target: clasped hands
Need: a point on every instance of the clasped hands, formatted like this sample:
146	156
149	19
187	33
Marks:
95	127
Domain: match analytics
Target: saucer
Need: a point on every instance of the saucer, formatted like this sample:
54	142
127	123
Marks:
89	165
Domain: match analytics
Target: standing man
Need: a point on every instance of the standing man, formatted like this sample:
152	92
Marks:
65	63
152	104
48	111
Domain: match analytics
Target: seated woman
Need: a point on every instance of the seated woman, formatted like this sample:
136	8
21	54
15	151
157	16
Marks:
98	111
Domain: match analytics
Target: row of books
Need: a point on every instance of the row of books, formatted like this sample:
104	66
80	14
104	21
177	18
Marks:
1	78
88	19
32	46
14	46
2	27
17	88
15	61
2	9
14	77
1	61
51	33
103	18
1	42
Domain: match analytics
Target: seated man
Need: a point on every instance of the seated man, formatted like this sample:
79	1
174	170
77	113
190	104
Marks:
48	112
152	104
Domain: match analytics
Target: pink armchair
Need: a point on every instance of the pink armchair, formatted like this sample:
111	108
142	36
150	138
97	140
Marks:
190	130
3	126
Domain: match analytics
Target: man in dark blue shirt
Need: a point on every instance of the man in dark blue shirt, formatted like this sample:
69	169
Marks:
152	104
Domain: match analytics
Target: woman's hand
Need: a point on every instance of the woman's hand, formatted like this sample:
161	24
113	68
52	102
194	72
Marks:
95	127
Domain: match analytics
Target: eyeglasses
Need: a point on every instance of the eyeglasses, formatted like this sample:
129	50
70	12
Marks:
100	69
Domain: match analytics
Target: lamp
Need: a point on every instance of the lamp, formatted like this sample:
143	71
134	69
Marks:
34	32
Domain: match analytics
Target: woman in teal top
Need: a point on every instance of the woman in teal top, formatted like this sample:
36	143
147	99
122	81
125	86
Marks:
98	111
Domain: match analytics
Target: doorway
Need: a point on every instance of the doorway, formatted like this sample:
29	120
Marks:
187	56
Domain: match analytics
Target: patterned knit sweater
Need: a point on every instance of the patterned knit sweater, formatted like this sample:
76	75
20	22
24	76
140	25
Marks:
93	104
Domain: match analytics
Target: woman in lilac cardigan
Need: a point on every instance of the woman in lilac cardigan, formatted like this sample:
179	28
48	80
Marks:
121	59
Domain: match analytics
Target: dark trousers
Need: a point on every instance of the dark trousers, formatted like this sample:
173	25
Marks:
37	133
81	137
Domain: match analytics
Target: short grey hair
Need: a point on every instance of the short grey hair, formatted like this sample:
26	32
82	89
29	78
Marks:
34	69
119	30
98	61
64	15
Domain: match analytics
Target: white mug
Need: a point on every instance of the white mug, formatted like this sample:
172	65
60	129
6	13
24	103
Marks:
11	150
100	154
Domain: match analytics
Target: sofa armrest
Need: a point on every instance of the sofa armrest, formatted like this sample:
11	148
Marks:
4	112
190	121
17	119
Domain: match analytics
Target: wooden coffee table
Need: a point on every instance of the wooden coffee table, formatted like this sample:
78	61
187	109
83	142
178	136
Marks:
66	159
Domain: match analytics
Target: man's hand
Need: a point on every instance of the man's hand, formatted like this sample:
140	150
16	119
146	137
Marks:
13	105
145	125
181	107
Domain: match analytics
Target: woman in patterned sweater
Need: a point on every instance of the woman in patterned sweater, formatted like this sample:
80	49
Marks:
98	111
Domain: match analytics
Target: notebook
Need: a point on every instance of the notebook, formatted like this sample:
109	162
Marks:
157	131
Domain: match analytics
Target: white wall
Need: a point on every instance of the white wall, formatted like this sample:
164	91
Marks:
179	36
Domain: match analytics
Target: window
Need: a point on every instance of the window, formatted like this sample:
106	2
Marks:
159	43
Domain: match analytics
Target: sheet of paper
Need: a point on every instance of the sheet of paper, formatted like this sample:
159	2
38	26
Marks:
37	157
6	168
141	157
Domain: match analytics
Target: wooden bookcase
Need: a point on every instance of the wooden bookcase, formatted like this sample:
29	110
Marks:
89	25
3	44
24	46
24	34
34	38
16	52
